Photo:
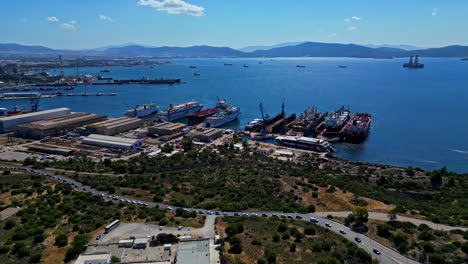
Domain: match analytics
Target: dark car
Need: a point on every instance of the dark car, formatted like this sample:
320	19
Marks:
298	217
376	251
98	237
236	214
328	225
357	239
264	215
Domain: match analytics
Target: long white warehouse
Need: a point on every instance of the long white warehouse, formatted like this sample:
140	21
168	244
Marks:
8	122
112	142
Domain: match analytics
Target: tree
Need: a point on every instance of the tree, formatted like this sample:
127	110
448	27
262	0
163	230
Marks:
234	229
392	215
187	144
9	224
115	259
61	240
235	245
292	248
359	216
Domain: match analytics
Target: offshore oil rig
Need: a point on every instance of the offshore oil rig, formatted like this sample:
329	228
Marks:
413	64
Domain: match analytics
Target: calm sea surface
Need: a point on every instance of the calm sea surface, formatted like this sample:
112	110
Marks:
420	116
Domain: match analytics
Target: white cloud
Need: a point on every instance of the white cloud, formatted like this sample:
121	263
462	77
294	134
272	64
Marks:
52	19
435	12
351	28
105	18
332	35
175	7
353	18
72	25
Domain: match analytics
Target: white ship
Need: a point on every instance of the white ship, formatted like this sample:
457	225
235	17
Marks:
307	143
224	115
179	111
141	111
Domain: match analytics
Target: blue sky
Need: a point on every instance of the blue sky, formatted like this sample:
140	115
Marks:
80	24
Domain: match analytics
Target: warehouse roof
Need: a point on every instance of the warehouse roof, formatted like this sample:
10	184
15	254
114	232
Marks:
112	139
169	125
33	114
194	252
61	120
115	122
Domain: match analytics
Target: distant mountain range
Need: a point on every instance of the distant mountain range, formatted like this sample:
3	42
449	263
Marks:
404	47
305	49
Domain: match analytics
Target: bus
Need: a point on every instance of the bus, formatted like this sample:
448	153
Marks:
111	226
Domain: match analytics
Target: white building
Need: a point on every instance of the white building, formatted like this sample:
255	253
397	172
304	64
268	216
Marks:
112	142
99	258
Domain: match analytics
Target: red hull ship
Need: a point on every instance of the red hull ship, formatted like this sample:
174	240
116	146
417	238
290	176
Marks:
199	117
357	129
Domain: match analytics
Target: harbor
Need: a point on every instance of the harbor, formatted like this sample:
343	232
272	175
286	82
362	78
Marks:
321	85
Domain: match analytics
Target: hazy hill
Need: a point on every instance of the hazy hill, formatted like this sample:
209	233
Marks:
13	48
195	51
254	48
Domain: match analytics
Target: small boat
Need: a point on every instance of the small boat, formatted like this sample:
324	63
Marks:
227	64
105	70
343	66
246	66
192	67
196	74
260	62
300	66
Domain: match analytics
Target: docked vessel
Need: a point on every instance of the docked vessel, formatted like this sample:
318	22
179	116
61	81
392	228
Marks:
178	111
254	124
224	114
357	129
141	111
145	80
308	121
199	117
413	64
307	143
336	121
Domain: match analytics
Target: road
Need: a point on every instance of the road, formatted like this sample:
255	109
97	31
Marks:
387	255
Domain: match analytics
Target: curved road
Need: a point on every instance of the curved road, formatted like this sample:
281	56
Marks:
386	255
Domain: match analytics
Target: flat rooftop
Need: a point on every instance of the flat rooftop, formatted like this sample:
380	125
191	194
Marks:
194	252
169	125
61	121
112	139
115	122
34	114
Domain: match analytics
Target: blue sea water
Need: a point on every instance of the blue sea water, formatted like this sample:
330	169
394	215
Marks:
420	116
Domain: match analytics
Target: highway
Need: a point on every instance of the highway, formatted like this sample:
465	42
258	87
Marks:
386	255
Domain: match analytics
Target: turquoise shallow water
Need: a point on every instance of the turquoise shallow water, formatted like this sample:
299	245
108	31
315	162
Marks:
419	116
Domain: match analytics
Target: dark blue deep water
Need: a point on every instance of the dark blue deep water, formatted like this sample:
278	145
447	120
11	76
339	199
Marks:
420	116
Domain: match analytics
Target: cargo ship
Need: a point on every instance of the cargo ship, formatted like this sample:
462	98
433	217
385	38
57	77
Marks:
413	64
308	121
178	111
307	143
199	117
336	121
357	129
224	114
142	111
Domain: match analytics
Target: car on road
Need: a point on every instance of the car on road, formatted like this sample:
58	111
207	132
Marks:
298	217
169	208
357	239
226	214
328	225
376	251
283	216
264	215
274	215
201	212
217	213
180	228
290	217
342	232
98	237
314	220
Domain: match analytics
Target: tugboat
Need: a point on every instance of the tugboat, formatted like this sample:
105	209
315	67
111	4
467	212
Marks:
246	66
227	64
224	114
413	64
196	74
357	129
300	66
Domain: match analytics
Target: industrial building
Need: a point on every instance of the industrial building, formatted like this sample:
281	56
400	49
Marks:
140	243
57	125
193	252
112	142
126	243
166	128
206	135
114	126
7	123
45	148
99	258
